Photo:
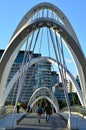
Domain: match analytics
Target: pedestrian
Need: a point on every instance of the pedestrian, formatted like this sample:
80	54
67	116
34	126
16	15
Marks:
18	107
39	111
48	112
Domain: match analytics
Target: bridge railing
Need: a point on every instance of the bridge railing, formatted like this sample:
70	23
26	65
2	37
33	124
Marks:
8	110
2	111
78	109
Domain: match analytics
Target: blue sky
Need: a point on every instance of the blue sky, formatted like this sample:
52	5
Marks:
12	11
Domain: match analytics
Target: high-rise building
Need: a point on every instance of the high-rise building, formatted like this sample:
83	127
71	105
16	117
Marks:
43	74
38	75
29	82
59	92
54	78
70	87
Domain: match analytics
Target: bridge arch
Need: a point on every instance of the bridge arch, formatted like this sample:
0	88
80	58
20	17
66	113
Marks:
55	9
43	90
45	97
51	60
20	35
66	22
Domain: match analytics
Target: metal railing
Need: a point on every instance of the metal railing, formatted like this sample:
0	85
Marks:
8	110
78	109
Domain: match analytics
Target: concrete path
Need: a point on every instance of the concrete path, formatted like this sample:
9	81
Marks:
30	122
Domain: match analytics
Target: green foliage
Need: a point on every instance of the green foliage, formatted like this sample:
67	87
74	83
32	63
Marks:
62	104
74	100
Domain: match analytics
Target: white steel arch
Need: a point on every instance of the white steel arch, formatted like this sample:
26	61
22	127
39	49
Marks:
25	29
55	9
45	97
66	22
52	98
53	61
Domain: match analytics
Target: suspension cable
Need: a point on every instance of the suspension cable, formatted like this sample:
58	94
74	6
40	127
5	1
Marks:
59	52
28	58
20	83
64	69
47	13
37	14
25	53
23	75
59	49
48	42
41	41
55	53
42	13
52	14
62	76
62	53
36	39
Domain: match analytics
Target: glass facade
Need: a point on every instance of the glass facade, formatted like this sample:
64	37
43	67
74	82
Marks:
54	78
43	74
38	75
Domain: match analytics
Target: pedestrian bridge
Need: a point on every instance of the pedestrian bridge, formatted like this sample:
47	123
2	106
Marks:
28	121
44	23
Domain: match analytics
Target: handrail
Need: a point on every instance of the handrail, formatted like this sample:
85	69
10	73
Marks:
8	110
78	109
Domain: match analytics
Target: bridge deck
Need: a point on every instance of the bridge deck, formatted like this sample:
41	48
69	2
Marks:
30	122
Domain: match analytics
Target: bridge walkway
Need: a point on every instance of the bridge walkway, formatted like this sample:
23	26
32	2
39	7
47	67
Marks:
30	122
